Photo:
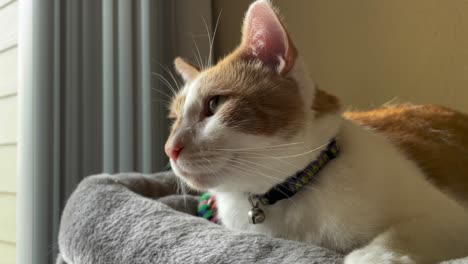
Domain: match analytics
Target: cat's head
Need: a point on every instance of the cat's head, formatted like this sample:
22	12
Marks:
248	122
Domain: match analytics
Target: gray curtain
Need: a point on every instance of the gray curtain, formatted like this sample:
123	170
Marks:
90	98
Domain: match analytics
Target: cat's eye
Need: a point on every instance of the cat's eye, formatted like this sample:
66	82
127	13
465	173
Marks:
214	104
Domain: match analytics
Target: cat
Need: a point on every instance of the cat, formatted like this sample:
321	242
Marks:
251	122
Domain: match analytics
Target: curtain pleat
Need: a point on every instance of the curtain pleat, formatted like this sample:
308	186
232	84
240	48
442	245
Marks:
108	135
92	92
125	85
90	99
57	79
143	71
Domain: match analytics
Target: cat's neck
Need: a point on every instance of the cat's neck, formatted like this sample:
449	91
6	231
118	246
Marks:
286	161
316	136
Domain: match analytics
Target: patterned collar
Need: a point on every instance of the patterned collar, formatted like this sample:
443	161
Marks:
296	182
291	185
207	207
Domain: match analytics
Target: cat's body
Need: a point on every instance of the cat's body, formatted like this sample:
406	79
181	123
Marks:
434	137
256	118
370	187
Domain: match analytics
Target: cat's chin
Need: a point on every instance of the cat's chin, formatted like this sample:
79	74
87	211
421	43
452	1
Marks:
199	184
213	175
198	181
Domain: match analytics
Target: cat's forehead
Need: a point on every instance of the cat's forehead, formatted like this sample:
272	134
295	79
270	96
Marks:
235	77
228	78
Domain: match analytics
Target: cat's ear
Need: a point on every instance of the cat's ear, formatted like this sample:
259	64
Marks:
187	71
264	37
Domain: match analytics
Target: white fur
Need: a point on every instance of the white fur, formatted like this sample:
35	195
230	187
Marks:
371	198
371	201
371	193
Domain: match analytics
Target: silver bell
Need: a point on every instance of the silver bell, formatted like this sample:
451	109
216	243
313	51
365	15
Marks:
256	216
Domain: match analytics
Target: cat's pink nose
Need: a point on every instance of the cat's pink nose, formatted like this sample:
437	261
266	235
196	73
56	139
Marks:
173	150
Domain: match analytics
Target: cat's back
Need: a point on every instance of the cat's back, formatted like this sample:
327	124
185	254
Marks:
435	137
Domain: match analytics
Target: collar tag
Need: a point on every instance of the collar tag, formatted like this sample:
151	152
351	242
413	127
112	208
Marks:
256	215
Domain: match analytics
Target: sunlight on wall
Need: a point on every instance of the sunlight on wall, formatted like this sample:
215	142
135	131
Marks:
371	52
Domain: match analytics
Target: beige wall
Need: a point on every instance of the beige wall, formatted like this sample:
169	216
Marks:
369	52
8	101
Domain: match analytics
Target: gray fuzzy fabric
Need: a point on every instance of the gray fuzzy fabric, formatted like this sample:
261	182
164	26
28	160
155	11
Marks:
134	218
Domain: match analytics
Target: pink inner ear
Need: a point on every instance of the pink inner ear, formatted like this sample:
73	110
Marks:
265	37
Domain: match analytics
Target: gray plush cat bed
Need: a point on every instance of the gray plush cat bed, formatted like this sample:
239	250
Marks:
134	218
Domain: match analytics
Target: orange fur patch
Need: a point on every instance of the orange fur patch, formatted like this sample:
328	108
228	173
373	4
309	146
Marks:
177	106
435	137
325	103
259	101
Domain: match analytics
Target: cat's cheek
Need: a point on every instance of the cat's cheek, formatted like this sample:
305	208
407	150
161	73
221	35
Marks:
211	128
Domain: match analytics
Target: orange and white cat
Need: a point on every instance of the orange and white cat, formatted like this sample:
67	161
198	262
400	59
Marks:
256	118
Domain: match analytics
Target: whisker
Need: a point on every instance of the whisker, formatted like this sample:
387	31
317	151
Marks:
271	180
210	164
208	63
155	89
268	156
166	82
165	104
162	101
181	189
199	35
196	58
287	163
173	77
170	74
199	58
262	174
247	169
261	165
291	156
262	150
298	169
262	147
211	171
215	31
307	152
211	39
